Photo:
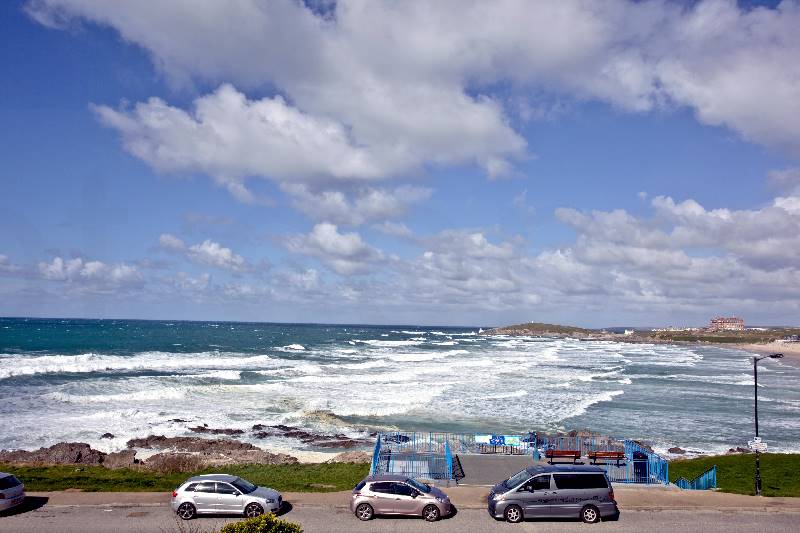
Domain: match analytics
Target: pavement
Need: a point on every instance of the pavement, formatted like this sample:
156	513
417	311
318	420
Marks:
642	509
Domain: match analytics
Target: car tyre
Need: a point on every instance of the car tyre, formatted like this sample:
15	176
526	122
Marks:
253	510
590	514
365	512
431	513
187	511
513	514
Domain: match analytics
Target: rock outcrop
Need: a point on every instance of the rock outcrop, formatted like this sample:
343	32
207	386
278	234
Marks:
190	444
210	431
319	440
63	453
123	459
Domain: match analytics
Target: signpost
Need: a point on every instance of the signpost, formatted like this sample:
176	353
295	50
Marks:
756	444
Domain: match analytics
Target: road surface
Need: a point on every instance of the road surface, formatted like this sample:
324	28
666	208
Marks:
41	517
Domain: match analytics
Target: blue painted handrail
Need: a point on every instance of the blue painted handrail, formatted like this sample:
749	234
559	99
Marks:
705	481
376	455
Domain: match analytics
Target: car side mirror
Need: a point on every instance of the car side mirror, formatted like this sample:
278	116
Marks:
414	494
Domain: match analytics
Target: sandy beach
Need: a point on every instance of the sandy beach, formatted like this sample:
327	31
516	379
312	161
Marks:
790	350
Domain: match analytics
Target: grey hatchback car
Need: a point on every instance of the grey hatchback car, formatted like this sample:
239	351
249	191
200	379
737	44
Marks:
554	491
223	494
398	495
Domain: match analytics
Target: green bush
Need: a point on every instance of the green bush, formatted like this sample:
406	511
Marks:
266	523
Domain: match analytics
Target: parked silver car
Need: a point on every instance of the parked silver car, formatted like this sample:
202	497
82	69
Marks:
398	495
554	491
223	494
12	491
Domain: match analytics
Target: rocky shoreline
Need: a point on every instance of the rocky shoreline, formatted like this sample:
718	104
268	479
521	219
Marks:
187	453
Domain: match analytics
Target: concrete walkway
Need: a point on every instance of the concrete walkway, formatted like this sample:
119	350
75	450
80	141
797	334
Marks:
486	470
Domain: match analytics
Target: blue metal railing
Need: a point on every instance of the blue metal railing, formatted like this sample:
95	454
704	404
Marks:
413	454
431	454
642	465
376	456
705	481
449	458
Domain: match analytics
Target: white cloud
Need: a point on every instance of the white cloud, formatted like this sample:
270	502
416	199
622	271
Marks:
207	252
6	266
369	204
191	285
394	229
786	179
211	253
171	242
379	88
345	253
90	273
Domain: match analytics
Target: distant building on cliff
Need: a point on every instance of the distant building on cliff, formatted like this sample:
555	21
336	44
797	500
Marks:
726	323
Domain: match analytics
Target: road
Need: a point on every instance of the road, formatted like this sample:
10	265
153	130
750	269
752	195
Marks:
327	519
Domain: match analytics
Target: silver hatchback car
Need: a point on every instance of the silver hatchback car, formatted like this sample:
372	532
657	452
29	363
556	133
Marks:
12	491
398	495
223	494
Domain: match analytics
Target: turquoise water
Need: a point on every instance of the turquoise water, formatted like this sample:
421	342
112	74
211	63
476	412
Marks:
77	379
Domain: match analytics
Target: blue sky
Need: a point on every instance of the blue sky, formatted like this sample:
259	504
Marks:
258	162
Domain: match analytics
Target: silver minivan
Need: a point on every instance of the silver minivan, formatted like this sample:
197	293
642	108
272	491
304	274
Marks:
554	491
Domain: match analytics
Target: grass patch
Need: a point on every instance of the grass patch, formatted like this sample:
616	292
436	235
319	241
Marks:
295	478
780	472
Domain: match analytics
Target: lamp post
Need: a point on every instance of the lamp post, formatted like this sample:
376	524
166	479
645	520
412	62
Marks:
755	410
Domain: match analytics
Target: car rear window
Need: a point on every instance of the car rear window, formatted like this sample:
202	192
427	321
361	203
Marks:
360	485
190	487
204	487
580	481
8	482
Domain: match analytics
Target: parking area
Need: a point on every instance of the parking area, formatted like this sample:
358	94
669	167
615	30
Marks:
327	518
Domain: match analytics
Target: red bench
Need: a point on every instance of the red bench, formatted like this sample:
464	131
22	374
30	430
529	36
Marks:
573	455
606	457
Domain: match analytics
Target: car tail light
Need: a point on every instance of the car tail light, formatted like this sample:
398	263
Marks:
2	496
356	494
611	495
175	493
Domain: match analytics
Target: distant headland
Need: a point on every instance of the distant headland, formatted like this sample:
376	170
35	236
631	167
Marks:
725	331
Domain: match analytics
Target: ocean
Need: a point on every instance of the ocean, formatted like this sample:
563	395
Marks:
73	380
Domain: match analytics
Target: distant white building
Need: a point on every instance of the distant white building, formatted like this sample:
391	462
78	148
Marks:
629	332
726	323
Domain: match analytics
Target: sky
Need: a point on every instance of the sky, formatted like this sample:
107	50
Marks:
446	162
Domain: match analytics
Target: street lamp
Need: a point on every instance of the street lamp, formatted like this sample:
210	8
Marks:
755	388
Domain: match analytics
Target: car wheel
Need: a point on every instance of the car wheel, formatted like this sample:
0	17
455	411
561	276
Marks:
513	514
187	511
590	514
364	512
431	513
253	510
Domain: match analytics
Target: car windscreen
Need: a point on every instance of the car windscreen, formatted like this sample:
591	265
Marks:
244	486
8	482
517	479
422	487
